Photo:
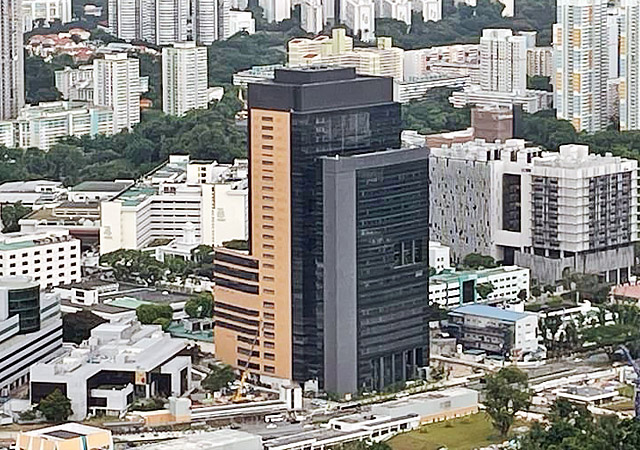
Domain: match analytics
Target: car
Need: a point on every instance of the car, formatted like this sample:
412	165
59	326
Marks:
271	426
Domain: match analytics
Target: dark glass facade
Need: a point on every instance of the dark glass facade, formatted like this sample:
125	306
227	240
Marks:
392	217
26	303
314	135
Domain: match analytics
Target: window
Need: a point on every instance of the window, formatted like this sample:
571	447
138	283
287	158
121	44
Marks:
267	227
267	198
269	291
269	316
267	147
264	217
269	335
267	127
267	137
267	188
267	236
268	246
268	305
267	119
266	162
269	369
269	345
267	208
269	356
266	178
268	266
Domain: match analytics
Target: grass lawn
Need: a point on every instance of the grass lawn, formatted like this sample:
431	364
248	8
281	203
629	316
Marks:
465	433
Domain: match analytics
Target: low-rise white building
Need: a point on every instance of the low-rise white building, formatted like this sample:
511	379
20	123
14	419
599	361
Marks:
494	330
210	196
50	259
451	289
439	256
120	361
30	330
433	406
32	194
531	101
68	436
44	124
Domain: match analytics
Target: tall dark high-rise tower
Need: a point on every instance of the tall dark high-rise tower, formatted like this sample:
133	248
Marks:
271	307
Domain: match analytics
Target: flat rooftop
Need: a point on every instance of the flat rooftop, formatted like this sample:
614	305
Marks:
66	431
490	312
101	186
219	439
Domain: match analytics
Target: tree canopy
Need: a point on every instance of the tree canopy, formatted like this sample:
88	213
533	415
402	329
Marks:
476	260
573	427
463	24
200	306
156	314
506	393
11	215
220	377
55	407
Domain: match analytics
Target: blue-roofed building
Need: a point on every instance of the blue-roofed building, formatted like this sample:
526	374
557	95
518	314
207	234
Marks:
495	330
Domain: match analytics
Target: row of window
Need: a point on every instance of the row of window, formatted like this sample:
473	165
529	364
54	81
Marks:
38	252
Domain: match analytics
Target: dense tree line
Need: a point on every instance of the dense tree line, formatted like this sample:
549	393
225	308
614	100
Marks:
463	24
203	134
573	427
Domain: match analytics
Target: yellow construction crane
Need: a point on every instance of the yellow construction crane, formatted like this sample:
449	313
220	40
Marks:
239	395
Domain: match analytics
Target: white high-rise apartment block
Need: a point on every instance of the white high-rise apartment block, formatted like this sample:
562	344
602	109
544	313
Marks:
614	28
11	59
241	21
359	15
47	10
580	42
503	61
116	84
431	9
204	21
394	9
75	84
540	61
160	22
184	78
629	87
276	10
45	124
312	16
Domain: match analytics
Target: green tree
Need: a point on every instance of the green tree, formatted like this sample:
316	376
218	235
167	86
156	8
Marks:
152	313
11	215
200	306
506	393
539	83
55	407
435	114
484	290
476	261
236	244
219	378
